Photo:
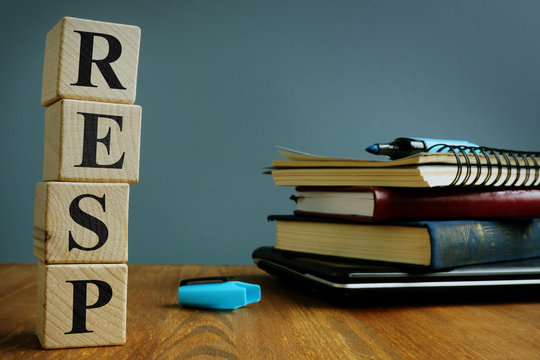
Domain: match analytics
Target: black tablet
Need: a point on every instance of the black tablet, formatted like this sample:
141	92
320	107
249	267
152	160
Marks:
354	280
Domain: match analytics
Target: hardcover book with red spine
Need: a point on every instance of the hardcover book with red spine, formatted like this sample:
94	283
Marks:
378	204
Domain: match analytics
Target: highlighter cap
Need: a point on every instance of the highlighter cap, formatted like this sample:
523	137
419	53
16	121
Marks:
222	295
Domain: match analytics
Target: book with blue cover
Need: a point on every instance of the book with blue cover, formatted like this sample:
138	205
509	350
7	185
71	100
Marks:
431	244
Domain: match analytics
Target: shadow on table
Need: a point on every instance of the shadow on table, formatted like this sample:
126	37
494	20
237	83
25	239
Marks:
15	342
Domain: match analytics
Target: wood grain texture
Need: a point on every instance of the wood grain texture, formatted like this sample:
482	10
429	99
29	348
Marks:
70	137
62	61
286	324
95	243
57	295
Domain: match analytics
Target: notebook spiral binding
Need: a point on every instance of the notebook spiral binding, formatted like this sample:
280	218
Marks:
493	167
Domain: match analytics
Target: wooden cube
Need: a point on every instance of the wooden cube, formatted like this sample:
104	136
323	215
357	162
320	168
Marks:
81	305
90	60
92	141
81	222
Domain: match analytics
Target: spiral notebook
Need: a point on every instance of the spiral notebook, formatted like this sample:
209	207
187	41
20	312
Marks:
450	166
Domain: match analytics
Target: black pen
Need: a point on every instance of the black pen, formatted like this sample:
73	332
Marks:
402	147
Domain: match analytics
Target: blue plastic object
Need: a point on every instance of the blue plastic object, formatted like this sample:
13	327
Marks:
224	295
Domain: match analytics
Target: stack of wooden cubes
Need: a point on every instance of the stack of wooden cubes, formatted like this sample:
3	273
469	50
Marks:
91	154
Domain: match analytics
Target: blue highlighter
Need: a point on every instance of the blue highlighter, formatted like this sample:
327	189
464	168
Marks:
217	293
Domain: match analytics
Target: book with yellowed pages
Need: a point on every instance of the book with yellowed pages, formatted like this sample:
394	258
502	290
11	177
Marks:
431	244
478	167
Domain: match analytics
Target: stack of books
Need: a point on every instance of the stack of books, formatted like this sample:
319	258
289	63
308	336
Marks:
430	210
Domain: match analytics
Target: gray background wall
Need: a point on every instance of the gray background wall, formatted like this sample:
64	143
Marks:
222	82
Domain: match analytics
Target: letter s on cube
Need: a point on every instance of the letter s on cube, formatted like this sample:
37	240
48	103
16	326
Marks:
81	222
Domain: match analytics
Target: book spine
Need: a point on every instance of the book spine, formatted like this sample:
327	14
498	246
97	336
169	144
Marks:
458	243
464	204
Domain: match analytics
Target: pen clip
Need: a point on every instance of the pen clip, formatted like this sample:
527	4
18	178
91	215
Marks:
208	279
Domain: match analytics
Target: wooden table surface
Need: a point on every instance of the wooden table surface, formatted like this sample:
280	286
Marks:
286	324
